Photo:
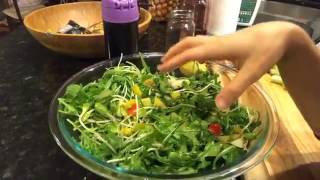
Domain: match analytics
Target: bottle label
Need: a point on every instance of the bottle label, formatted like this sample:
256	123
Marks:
120	11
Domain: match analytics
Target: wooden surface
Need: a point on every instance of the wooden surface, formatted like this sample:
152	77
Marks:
296	154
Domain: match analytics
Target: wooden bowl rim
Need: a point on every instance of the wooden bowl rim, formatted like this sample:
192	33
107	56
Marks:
146	14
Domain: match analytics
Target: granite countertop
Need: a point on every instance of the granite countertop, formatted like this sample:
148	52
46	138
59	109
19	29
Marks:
30	76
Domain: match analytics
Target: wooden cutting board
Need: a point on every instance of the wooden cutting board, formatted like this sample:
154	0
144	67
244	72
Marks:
296	154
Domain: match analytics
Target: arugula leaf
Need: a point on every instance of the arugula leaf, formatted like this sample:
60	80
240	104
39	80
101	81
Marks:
205	104
233	155
146	68
73	90
66	108
167	132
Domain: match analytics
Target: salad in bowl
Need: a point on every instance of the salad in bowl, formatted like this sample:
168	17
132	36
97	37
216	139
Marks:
121	119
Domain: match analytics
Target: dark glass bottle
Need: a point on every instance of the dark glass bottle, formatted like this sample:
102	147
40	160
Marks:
120	20
200	15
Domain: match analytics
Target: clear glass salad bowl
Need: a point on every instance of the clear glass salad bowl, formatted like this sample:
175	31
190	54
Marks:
254	97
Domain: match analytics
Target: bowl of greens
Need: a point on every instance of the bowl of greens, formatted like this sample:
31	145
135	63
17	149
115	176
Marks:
121	119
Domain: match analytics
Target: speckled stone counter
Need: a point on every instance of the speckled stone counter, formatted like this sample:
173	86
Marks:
29	77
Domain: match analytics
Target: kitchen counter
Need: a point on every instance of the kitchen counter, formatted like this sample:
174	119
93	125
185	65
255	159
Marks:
31	74
296	154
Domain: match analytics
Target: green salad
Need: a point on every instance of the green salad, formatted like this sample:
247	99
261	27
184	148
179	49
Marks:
157	123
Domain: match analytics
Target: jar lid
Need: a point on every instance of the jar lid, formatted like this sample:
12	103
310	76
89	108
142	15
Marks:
120	11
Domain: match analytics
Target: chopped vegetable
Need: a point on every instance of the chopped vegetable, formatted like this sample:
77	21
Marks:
276	79
192	67
126	131
275	76
158	103
274	70
240	143
133	110
215	129
136	90
175	83
224	139
149	82
146	102
129	103
157	123
175	94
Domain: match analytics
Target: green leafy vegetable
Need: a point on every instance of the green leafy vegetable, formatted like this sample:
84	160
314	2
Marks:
157	123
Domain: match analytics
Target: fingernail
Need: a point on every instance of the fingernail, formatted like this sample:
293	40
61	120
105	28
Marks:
162	59
221	103
159	67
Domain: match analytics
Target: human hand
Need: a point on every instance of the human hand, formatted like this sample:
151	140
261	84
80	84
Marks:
254	50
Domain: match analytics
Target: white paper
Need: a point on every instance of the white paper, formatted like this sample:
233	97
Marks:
222	16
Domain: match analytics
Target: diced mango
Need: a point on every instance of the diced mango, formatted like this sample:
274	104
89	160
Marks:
146	102
175	94
129	103
149	82
158	103
136	90
126	131
192	67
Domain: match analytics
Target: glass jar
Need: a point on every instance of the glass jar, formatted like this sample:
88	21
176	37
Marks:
199	9
180	25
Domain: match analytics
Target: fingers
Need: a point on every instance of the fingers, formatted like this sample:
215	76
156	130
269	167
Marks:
197	53
231	92
186	43
231	47
216	49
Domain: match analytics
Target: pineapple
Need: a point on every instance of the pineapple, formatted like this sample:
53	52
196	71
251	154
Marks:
160	9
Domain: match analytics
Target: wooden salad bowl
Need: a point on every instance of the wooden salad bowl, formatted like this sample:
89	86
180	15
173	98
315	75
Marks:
44	24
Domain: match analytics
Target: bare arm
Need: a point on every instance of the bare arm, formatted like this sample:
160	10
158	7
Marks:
256	50
300	69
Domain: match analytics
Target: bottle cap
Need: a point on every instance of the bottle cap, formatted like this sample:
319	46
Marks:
120	11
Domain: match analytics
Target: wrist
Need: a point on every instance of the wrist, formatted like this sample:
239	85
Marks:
298	67
297	41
